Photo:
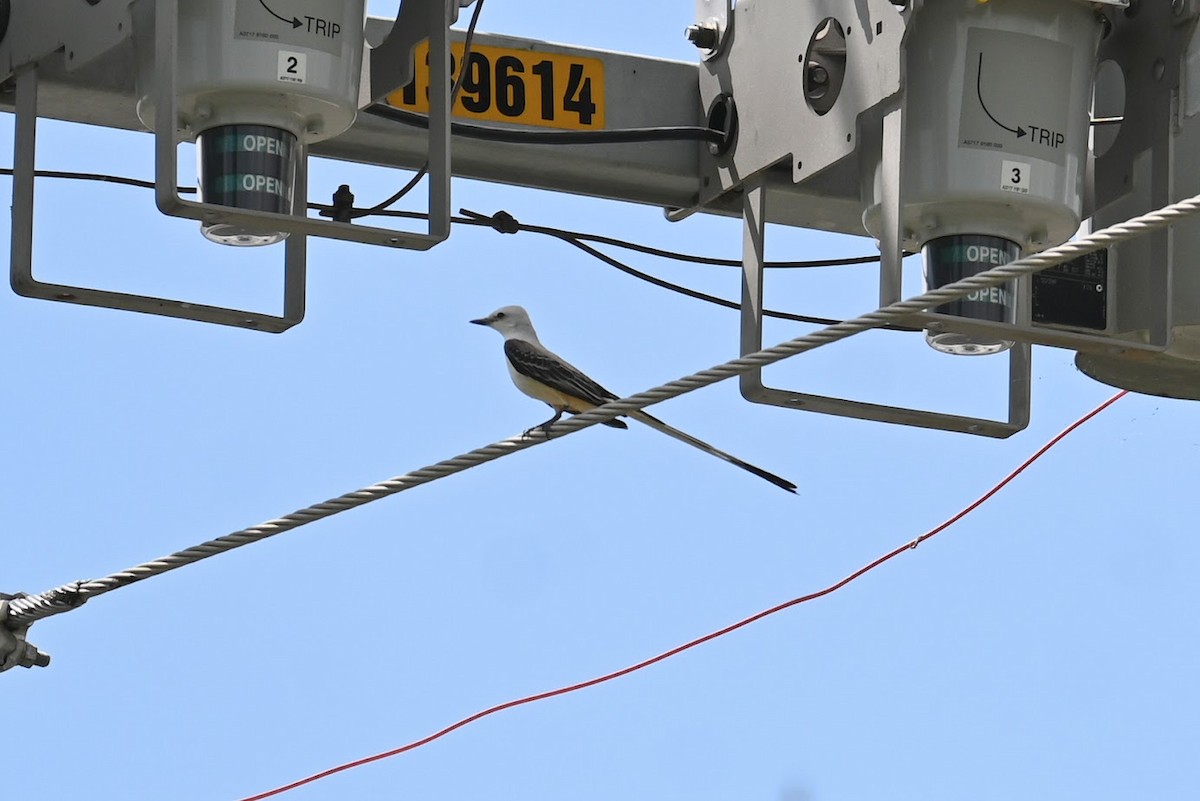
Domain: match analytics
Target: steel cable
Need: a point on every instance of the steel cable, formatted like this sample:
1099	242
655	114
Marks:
61	599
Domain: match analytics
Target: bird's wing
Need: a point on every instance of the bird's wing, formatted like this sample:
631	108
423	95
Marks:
541	365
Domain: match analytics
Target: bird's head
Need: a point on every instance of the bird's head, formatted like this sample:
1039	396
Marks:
511	321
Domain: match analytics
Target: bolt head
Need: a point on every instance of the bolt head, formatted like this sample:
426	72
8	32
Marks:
704	35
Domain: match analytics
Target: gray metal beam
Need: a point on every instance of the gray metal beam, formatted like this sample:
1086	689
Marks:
641	92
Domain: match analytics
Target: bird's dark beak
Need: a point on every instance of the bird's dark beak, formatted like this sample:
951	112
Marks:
481	321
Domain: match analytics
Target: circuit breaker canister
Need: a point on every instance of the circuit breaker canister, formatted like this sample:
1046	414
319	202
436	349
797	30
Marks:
995	139
256	83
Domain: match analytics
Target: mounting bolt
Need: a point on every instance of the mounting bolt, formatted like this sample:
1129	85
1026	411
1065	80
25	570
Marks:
704	35
816	80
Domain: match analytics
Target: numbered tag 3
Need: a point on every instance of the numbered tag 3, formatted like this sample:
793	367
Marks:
1014	177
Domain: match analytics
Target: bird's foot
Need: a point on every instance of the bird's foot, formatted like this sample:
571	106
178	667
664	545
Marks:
542	427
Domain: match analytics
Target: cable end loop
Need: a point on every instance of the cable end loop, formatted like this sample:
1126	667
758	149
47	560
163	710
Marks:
15	650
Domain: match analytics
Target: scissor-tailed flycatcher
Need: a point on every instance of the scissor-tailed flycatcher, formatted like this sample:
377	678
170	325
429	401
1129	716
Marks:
549	378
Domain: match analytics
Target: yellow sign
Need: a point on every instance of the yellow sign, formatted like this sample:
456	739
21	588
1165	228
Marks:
519	86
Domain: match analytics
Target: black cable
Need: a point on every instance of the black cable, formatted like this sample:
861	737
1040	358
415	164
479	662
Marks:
583	236
468	40
694	259
401	192
505	223
682	290
666	133
326	210
712	260
92	176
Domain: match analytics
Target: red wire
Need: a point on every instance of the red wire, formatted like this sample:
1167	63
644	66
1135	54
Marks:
707	637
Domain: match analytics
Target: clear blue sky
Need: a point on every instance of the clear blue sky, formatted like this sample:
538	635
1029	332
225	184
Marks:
1043	648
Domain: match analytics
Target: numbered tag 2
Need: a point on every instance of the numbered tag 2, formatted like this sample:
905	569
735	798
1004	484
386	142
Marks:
293	67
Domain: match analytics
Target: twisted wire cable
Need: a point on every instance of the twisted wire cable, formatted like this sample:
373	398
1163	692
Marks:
61	599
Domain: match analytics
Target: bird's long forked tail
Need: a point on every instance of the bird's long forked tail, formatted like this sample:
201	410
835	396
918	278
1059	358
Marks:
670	431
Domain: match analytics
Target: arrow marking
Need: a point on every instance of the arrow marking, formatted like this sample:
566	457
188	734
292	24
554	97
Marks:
1019	131
296	23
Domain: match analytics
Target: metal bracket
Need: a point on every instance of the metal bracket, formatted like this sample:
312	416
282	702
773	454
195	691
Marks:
753	389
763	67
711	29
82	31
1149	160
421	19
812	140
389	65
816	144
1136	173
435	16
21	263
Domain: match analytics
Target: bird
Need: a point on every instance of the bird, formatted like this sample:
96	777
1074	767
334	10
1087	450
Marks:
546	376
